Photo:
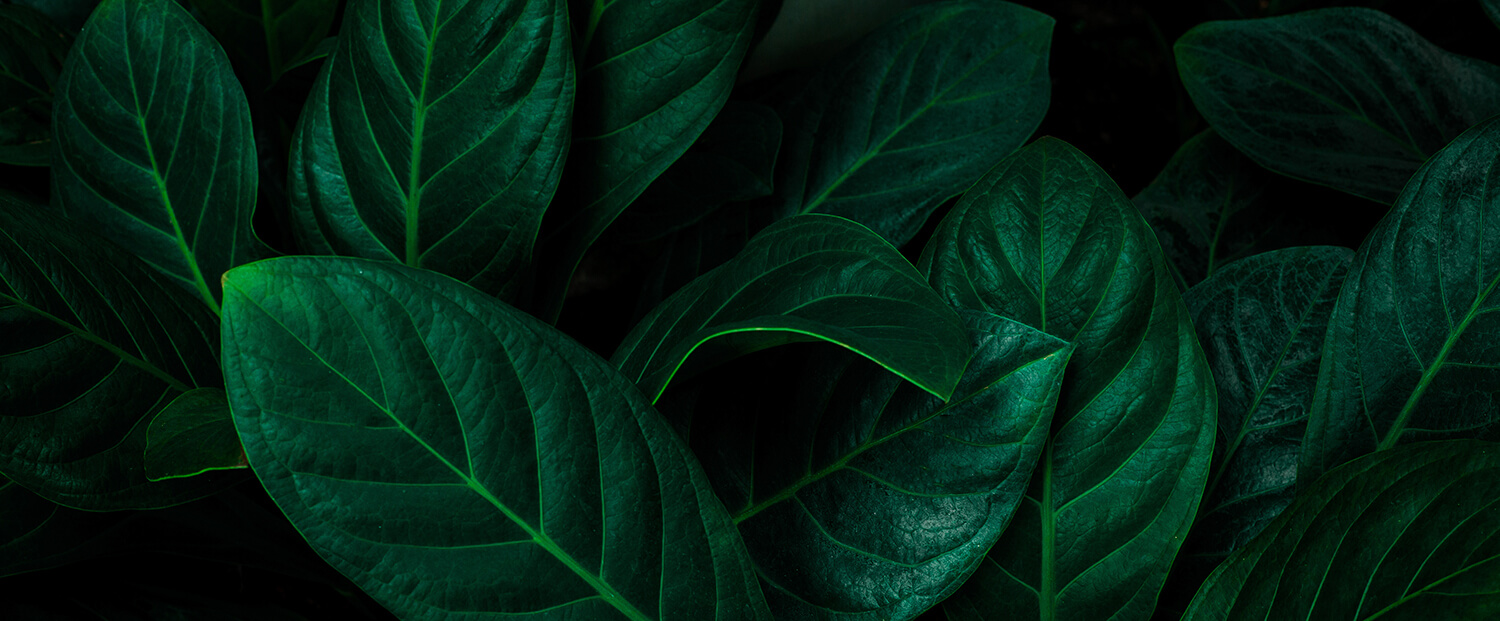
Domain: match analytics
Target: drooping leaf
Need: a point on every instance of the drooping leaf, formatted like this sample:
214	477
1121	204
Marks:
1410	533
1410	350
32	50
434	136
859	495
1347	97
192	435
447	452
264	37
913	113
812	277
1048	239
95	344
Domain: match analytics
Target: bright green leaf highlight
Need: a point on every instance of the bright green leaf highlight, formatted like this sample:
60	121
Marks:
32	50
194	434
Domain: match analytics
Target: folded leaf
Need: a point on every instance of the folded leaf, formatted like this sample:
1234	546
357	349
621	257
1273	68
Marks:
447	452
96	343
434	136
32	50
152	142
1347	97
194	434
1048	239
1410	533
813	277
263	37
1410	351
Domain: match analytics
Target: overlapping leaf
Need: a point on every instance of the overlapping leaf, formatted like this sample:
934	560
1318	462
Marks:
192	435
451	454
32	50
152	142
265	37
1048	239
435	136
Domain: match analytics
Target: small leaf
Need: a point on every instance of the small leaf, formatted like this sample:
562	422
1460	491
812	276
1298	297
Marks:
1410	533
447	452
1348	97
152	143
32	50
265	38
194	434
812	277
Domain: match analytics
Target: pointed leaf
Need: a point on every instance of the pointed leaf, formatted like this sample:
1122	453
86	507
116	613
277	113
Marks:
447	452
812	277
194	434
1048	239
264	37
1348	97
32	50
153	147
434	136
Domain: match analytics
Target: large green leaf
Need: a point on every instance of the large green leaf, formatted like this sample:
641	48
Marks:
1346	97
913	113
192	435
1410	349
95	344
812	277
859	495
32	50
1411	533
152	142
1048	239
265	37
449	453
652	74
435	136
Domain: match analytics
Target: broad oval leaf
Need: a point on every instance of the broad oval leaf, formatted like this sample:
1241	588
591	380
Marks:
265	38
859	495
449	453
1347	97
152	142
1410	350
812	277
1410	533
96	344
913	113
434	136
192	435
32	50
1048	239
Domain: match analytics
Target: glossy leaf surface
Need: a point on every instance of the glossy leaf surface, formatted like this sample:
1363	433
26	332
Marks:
914	113
859	495
1346	97
435	136
32	50
813	277
152	142
265	37
192	435
447	452
1048	239
1410	349
1410	533
96	343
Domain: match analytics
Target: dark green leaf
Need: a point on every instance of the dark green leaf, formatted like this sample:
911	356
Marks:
95	344
916	111
32	50
1048	239
68	14
435	136
1410	353
859	495
1492	9
1346	97
192	435
450	453
812	277
265	37
152	142
322	50
1411	533
36	533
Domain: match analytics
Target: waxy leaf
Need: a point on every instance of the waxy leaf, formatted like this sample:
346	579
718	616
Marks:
194	434
434	136
913	113
96	343
1348	97
812	277
1048	239
1410	533
152	142
449	453
264	38
1410	352
859	495
32	50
